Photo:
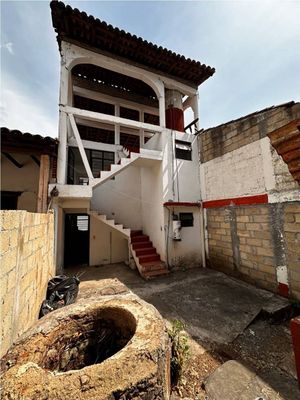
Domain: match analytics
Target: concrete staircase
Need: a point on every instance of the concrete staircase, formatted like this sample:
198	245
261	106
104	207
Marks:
147	260
145	256
115	169
144	155
111	222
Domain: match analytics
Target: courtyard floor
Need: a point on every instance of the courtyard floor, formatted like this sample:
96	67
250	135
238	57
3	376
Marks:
225	319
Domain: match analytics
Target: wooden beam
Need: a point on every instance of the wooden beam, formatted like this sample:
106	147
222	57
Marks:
12	160
35	159
43	184
110	119
80	146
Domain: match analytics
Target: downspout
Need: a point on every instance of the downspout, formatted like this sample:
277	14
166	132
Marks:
201	217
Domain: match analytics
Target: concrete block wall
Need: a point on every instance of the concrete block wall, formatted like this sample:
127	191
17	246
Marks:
252	201
27	263
223	139
292	241
259	244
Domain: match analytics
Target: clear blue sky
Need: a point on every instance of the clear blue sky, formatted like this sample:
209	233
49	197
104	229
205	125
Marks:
254	46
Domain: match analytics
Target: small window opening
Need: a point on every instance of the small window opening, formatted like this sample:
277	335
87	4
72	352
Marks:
183	150
186	219
82	222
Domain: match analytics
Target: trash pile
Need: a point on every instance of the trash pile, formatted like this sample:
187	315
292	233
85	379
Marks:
61	291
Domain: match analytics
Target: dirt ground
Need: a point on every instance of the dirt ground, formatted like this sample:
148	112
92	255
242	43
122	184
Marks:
263	347
223	321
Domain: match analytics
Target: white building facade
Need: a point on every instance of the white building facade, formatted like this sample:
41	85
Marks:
128	185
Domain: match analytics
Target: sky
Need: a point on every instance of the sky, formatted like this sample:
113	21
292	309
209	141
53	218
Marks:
253	45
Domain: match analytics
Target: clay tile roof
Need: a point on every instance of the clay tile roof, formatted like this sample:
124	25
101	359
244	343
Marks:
77	27
14	140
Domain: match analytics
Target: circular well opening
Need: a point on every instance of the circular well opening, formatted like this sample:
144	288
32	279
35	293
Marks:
88	339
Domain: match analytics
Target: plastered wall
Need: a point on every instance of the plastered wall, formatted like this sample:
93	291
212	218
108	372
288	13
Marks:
237	158
152	208
107	246
27	263
25	180
185	253
120	198
238	173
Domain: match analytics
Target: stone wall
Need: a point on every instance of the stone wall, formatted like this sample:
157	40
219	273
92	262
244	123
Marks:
27	263
259	244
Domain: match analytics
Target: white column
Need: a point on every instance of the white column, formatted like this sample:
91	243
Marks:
142	132
117	126
65	99
161	102
195	108
117	133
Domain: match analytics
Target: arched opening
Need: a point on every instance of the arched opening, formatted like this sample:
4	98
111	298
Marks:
108	92
114	84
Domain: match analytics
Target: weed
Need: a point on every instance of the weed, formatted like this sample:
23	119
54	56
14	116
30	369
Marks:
179	351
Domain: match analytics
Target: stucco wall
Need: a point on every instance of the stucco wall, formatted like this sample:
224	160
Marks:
237	158
239	173
187	252
107	246
120	198
152	207
25	180
27	263
180	178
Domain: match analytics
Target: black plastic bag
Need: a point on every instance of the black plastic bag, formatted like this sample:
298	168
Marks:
61	291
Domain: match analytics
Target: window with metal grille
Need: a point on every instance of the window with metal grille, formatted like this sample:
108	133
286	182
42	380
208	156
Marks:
186	219
83	222
183	150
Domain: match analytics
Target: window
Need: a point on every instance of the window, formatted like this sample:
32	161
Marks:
129	113
83	222
183	150
101	161
186	219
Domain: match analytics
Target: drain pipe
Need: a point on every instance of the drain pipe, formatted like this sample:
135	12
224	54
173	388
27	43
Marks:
195	108
202	225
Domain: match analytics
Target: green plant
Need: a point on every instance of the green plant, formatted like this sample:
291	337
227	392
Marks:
179	349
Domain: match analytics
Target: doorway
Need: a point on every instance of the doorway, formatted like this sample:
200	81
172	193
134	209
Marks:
77	239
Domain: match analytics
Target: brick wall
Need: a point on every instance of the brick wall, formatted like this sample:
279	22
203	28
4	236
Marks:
252	242
27	263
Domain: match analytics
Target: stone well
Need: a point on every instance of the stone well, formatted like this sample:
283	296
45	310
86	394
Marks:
109	348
